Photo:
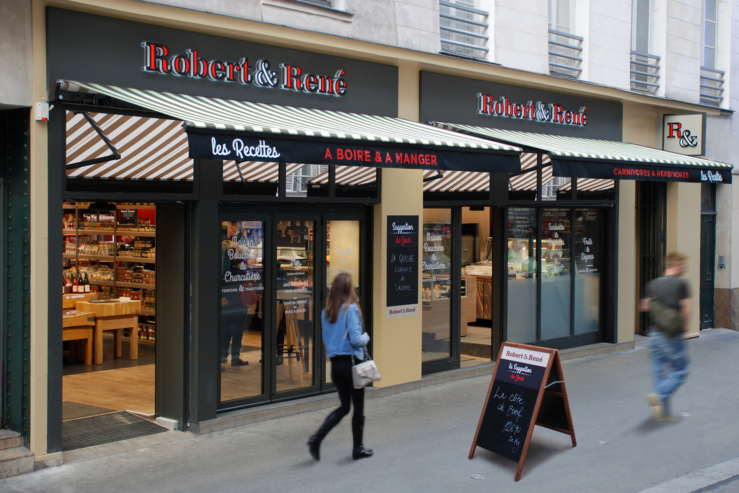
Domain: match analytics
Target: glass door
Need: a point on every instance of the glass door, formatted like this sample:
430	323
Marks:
244	242
343	234
296	281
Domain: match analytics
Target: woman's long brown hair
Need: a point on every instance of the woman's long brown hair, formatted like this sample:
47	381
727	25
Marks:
341	294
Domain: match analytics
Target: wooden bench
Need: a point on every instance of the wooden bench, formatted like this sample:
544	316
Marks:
80	327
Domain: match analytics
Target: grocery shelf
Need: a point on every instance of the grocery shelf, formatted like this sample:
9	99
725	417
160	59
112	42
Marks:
148	312
138	260
135	285
136	233
101	283
101	258
107	232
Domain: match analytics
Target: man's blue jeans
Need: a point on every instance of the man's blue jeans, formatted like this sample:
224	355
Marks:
670	365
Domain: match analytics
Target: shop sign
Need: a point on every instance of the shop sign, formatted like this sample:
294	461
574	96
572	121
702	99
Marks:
536	112
622	171
513	404
402	266
203	144
289	77
685	134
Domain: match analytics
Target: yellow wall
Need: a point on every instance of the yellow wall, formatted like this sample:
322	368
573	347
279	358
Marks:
626	264
397	341
683	235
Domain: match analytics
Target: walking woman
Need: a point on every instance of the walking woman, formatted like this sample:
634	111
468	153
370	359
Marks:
343	336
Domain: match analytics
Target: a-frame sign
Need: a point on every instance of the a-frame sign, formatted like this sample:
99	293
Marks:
527	389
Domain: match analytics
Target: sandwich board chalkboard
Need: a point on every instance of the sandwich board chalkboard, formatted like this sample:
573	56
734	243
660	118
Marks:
527	389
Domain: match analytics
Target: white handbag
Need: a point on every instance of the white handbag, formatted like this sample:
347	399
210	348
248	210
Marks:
365	372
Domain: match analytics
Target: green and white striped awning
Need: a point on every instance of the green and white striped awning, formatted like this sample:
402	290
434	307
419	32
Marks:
590	158
285	131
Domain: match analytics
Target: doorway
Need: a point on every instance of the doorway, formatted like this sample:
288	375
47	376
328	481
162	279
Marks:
458	289
652	222
276	271
708	256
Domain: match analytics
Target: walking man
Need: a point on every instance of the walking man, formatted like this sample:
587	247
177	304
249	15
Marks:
668	302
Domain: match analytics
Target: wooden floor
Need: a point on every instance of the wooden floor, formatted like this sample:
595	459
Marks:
124	389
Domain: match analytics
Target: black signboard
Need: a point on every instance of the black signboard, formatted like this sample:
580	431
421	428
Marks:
402	266
640	172
127	216
527	389
241	146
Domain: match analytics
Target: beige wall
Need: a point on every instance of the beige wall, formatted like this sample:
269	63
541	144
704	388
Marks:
39	246
683	235
397	341
15	53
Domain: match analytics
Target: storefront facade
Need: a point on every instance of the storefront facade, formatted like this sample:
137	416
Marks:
268	237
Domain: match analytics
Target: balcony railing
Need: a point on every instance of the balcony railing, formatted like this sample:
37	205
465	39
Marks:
644	72
463	29
712	86
565	54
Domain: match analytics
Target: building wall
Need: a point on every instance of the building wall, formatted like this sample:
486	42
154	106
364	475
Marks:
609	43
520	34
682	57
15	53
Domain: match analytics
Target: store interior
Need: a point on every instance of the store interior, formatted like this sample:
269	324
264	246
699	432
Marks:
476	285
109	309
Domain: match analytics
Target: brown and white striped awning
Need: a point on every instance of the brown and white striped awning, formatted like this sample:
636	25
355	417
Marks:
348	175
151	148
588	185
256	171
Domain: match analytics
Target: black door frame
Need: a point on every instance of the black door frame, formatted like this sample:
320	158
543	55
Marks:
320	216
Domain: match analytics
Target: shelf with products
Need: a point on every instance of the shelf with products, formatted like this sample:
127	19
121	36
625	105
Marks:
110	251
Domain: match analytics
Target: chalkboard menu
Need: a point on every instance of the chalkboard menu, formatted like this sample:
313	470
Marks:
402	266
587	241
527	389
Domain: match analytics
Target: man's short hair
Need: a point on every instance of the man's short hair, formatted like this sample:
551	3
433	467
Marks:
674	258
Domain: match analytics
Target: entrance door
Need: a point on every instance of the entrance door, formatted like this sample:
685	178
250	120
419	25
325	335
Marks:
276	272
708	255
652	204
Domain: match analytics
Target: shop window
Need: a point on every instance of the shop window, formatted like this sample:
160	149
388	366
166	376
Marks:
522	267
436	289
588	267
555	273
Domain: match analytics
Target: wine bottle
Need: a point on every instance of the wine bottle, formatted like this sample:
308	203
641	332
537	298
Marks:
68	284
87	284
75	285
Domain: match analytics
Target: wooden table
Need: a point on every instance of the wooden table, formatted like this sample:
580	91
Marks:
79	327
115	316
69	301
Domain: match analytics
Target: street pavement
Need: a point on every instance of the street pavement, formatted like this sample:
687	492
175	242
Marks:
422	438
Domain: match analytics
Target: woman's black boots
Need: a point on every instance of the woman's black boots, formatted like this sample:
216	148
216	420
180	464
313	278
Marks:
314	442
359	451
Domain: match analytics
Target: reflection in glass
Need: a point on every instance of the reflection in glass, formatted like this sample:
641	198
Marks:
587	270
295	304
556	237
437	283
477	288
242	303
522	299
342	255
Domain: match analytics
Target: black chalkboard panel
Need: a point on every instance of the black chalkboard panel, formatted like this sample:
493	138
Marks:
518	399
402	265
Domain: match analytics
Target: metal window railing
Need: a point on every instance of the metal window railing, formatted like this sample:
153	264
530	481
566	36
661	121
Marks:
712	86
462	29
565	54
644	72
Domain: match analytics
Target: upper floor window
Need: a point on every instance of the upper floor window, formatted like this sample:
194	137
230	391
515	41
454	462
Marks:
560	15
463	28
709	33
322	3
640	25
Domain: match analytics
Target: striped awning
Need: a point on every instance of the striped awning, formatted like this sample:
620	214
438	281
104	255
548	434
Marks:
590	158
588	185
303	135
348	175
151	148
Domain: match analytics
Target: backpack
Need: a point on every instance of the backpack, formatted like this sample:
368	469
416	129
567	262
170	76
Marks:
666	318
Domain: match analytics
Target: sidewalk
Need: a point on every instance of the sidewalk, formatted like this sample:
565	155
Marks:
422	438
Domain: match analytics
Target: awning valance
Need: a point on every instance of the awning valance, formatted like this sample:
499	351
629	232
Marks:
602	159
246	131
